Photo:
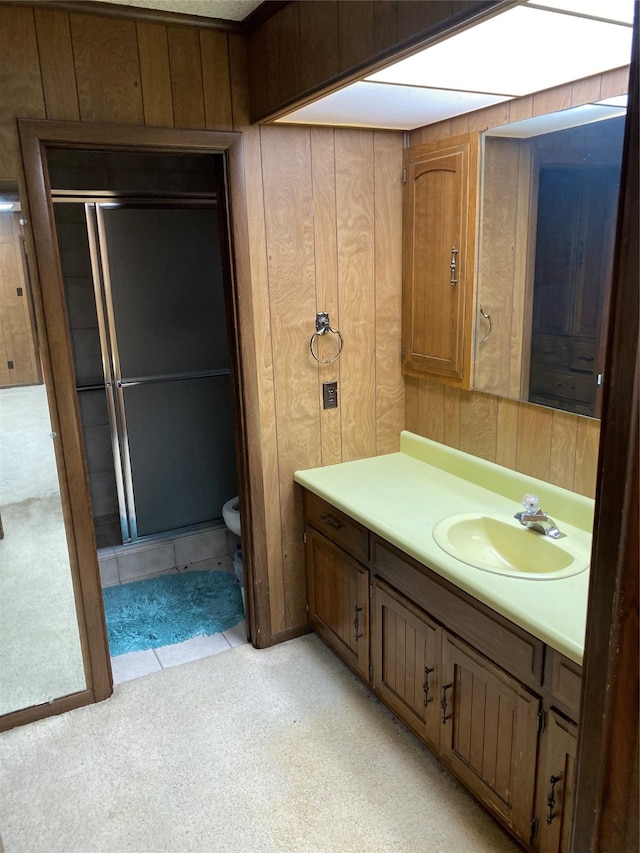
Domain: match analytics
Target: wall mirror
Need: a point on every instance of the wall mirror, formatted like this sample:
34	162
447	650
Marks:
40	648
548	209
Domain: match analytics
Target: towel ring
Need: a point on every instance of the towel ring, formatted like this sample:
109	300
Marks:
488	335
322	327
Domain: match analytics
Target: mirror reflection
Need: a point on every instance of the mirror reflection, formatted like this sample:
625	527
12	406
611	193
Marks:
548	214
40	651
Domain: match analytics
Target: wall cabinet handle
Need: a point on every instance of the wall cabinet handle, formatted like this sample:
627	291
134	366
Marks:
427	671
356	622
443	704
551	799
328	519
454	253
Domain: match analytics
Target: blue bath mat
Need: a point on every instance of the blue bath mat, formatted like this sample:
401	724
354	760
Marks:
170	609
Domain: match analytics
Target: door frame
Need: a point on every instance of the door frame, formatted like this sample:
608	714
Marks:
36	136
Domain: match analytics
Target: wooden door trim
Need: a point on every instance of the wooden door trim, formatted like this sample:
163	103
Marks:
35	137
606	808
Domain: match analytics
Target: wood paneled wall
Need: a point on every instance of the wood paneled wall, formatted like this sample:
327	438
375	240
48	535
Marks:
324	213
556	446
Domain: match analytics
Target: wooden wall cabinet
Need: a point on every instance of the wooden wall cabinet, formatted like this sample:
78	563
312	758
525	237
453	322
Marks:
492	702
440	209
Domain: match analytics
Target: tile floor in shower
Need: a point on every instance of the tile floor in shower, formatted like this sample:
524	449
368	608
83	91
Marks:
203	550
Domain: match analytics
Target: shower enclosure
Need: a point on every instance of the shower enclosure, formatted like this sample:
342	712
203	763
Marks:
146	307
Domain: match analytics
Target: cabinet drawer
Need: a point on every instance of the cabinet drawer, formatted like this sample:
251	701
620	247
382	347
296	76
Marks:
563	678
336	526
500	640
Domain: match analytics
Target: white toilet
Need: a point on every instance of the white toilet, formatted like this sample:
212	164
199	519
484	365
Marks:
231	515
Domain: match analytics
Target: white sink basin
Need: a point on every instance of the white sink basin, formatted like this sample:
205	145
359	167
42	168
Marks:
499	544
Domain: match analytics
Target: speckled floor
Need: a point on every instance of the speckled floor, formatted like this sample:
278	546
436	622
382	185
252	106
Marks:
281	750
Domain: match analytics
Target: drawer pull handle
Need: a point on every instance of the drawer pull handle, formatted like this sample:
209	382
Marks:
443	704
551	799
328	519
425	686
356	623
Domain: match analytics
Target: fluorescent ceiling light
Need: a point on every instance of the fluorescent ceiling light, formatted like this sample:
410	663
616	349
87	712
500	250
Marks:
388	107
616	101
5	206
517	52
561	120
611	10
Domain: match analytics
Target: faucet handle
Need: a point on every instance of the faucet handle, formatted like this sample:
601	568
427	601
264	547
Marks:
531	503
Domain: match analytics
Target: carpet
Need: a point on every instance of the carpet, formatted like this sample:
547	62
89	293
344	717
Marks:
278	750
170	609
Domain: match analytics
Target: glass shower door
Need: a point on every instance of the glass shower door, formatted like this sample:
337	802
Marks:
166	363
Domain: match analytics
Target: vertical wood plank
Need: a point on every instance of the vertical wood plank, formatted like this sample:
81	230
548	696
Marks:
415	16
388	290
253	291
507	433
564	434
551	100
411	395
355	204
239	83
107	69
155	74
587	446
289	229
318	41
20	83
615	82
460	124
451	416
492	116
385	24
478	424
186	77
534	440
431	409
355	22
56	63
289	57
216	80
326	276
585	91
521	108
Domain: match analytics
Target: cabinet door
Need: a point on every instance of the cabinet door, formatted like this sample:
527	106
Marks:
406	650
439	228
489	734
338	601
555	785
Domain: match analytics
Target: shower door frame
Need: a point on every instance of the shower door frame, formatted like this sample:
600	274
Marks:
114	385
36	136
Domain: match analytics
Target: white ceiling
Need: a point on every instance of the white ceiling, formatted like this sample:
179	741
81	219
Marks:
228	10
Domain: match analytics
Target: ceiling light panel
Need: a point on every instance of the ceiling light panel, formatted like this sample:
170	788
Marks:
612	10
551	122
520	51
388	107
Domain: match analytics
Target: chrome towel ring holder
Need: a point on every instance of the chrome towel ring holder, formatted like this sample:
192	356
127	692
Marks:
322	327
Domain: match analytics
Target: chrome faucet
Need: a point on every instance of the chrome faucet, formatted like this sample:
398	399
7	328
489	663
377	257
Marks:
537	519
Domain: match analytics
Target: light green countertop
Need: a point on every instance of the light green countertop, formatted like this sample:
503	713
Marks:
401	496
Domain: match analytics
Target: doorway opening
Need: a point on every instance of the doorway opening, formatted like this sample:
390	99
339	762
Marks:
143	246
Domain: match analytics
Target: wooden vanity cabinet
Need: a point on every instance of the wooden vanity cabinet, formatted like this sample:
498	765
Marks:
495	704
337	584
438	257
406	656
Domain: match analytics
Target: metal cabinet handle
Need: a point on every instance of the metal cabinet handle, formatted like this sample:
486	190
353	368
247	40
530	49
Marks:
425	686
331	522
551	799
454	252
356	622
443	704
